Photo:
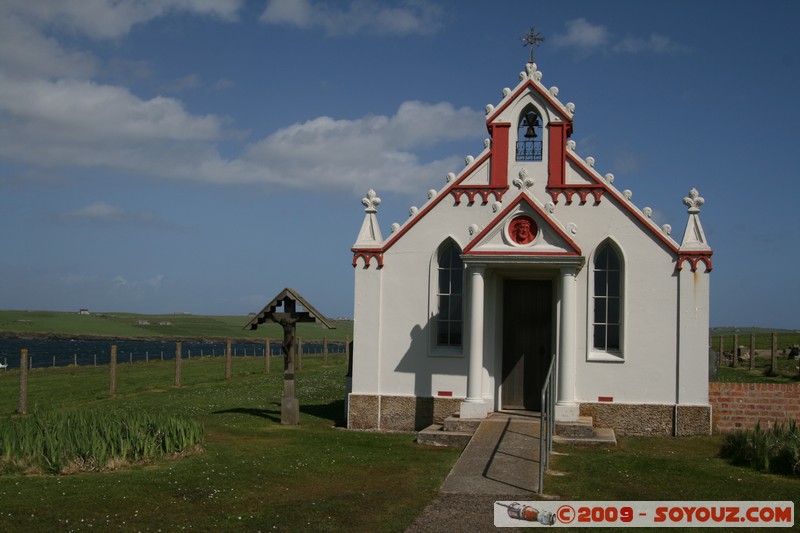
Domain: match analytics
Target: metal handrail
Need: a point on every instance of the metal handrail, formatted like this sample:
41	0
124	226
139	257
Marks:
548	407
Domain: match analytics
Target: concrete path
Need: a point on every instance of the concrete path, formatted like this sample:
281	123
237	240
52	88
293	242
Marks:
501	462
501	458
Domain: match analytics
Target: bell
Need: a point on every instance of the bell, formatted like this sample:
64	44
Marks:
532	121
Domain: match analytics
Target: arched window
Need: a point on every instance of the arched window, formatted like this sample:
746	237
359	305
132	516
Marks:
450	316
607	322
529	136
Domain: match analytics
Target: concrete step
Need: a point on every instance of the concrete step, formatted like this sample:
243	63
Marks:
456	423
435	435
599	436
583	427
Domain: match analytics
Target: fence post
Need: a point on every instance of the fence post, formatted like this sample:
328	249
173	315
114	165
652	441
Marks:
54	361
299	353
752	351
773	367
75	359
112	372
178	364
23	382
347	350
228	360
266	356
735	358
721	350
325	351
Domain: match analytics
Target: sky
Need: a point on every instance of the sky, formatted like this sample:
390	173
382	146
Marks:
197	156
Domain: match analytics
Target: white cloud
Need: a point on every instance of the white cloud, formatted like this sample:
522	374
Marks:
102	212
586	38
53	117
656	43
371	151
358	16
582	35
111	18
26	53
71	122
120	282
74	124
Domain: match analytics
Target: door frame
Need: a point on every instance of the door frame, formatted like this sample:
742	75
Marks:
514	272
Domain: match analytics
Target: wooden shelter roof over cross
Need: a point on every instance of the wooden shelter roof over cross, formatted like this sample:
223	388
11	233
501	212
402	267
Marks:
288	300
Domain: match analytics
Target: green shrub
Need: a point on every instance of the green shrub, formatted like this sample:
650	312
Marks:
66	441
775	450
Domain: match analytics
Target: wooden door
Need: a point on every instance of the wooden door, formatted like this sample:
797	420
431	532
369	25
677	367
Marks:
527	339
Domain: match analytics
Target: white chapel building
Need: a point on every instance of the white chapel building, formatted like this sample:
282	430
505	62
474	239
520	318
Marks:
529	257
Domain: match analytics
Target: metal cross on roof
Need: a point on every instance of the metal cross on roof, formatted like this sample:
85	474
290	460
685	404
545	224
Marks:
532	39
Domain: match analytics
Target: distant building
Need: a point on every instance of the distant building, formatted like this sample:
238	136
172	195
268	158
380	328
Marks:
529	257
84	312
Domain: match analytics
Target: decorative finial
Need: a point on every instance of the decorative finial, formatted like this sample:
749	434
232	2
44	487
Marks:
532	39
694	201
371	202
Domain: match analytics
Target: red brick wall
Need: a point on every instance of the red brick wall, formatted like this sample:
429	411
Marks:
741	405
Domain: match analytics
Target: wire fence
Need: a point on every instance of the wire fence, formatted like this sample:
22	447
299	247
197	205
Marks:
44	353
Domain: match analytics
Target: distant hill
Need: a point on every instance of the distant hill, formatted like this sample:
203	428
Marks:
140	326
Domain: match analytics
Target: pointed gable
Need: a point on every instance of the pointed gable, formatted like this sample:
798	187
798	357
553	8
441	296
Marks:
288	299
523	228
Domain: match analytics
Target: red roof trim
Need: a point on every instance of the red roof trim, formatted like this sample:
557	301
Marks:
621	201
582	189
546	95
473	190
518	253
693	258
367	255
503	214
443	194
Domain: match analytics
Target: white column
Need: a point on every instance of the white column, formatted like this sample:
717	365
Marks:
474	406
566	407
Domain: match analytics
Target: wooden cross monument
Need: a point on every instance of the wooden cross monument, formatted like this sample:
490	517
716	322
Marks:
288	319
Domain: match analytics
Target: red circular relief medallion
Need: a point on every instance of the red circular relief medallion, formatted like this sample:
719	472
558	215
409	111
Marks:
522	229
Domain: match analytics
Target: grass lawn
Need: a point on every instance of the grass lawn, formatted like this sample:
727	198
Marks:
648	468
255	474
786	371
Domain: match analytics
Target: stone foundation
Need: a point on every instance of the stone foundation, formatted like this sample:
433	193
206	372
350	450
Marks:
398	413
650	419
410	413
